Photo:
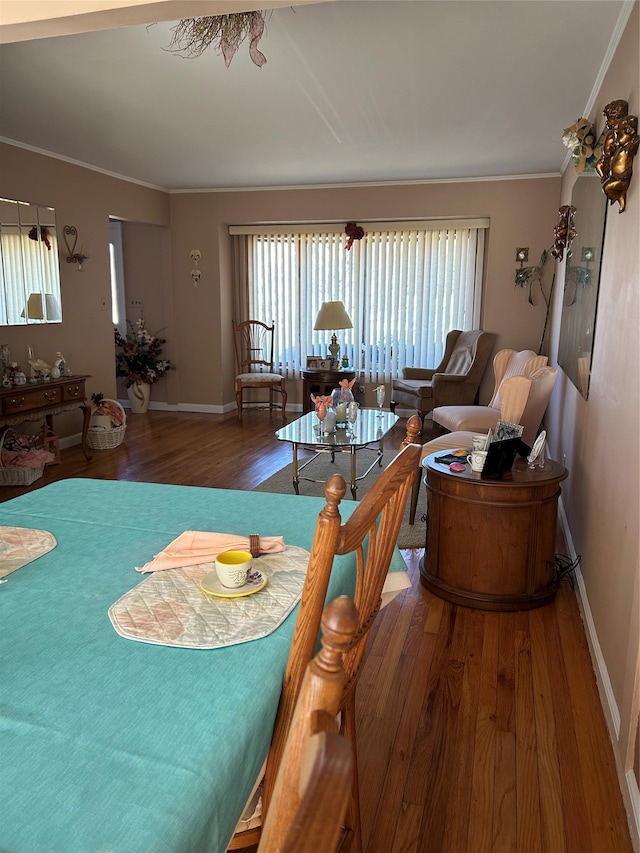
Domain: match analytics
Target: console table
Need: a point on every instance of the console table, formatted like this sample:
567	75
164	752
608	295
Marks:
322	382
491	543
38	400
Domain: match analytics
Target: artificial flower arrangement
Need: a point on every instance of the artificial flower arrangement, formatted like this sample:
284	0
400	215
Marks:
580	139
139	358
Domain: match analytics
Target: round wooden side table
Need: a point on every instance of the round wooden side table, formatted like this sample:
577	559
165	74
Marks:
491	543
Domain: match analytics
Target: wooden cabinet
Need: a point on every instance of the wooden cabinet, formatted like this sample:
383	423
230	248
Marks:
44	400
490	544
322	382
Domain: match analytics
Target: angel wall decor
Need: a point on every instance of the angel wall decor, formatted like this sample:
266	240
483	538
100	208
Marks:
615	166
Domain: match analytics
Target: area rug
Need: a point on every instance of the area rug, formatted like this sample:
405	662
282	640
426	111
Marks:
321	468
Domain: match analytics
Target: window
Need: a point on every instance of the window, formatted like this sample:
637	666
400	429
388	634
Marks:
404	285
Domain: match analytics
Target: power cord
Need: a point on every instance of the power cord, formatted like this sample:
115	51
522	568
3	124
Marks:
565	568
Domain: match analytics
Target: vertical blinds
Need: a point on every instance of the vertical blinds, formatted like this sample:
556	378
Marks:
403	287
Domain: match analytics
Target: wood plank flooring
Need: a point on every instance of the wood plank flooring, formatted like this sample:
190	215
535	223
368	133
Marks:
477	731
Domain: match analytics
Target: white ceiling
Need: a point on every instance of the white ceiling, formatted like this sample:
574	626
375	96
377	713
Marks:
354	91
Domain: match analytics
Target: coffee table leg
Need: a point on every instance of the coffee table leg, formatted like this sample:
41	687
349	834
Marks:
354	485
294	466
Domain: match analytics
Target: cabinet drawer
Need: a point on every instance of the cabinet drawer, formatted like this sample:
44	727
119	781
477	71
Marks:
29	399
73	390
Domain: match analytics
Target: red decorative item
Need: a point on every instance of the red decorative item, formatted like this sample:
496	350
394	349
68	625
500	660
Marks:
354	232
44	235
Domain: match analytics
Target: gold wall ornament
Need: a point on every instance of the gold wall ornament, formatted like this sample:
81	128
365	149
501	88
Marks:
621	141
564	231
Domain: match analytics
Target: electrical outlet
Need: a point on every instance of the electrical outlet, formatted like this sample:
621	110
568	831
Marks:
136	303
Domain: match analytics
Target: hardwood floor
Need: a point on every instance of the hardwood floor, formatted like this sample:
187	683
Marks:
477	731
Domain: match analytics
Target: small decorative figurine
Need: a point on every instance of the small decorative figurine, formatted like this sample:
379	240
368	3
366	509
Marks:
564	231
615	166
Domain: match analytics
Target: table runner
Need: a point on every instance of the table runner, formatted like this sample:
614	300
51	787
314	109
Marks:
169	608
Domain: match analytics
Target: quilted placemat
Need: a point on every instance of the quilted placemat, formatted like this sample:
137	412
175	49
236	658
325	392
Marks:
169	608
22	545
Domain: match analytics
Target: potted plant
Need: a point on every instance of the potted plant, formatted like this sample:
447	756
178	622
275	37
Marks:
139	360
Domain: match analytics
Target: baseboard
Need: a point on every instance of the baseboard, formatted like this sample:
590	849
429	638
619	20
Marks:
627	781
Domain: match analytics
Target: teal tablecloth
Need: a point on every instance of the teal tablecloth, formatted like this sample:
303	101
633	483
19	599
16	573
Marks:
112	745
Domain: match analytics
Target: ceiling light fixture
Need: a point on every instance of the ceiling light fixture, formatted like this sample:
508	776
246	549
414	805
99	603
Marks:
192	36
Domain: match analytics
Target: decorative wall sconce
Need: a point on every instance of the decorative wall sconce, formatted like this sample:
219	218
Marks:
564	231
578	275
74	257
621	142
196	274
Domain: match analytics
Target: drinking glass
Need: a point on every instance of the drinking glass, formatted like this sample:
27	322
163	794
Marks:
352	414
380	398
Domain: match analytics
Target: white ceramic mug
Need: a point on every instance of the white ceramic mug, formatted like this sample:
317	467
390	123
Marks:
479	442
232	568
477	460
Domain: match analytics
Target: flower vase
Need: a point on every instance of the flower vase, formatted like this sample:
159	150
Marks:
139	394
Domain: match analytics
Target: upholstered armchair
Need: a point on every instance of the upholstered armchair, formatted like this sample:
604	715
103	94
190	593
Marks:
455	381
523	386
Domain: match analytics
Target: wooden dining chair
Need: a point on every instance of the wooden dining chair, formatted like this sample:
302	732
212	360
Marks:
371	534
315	775
253	341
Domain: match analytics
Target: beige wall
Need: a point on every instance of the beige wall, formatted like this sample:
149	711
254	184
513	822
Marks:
522	213
599	436
85	199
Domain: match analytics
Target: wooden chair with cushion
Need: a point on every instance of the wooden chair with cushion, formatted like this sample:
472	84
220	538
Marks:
506	364
315	776
371	533
455	381
253	342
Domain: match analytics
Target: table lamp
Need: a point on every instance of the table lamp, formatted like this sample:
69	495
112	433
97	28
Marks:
333	315
36	310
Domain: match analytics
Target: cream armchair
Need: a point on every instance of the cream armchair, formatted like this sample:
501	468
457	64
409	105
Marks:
508	400
455	381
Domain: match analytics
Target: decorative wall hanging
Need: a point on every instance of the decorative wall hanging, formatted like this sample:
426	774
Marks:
580	139
44	235
615	166
196	274
354	232
74	257
564	231
192	36
527	277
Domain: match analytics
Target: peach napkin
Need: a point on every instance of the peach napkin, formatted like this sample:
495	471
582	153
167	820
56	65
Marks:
194	546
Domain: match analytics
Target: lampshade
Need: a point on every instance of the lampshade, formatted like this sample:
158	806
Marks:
333	315
34	309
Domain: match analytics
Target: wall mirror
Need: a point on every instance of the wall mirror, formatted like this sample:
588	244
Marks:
582	280
29	264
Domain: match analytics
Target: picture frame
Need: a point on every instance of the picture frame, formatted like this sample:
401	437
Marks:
505	430
312	362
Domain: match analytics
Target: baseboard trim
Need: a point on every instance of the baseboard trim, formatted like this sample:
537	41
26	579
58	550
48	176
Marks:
627	781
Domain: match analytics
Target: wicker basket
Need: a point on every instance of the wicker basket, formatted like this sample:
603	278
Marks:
99	438
16	476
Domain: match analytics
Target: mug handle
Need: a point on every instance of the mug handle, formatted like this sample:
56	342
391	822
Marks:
469	458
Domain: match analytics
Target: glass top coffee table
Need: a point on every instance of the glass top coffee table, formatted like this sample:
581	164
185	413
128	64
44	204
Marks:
370	429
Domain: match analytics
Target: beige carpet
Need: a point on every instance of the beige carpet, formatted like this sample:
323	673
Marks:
410	536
